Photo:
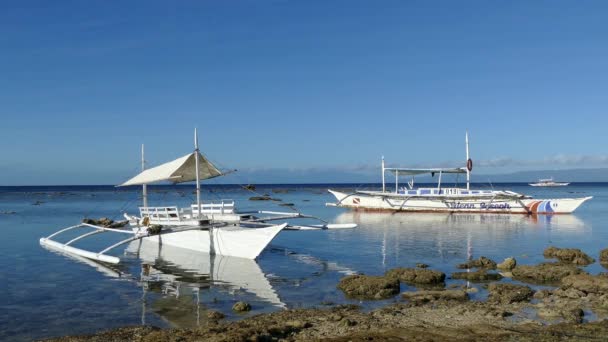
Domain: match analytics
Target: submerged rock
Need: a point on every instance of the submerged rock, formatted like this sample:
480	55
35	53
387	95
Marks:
481	275
544	272
482	262
345	322
241	307
416	276
604	256
260	198
507	265
586	283
541	294
105	222
571	293
568	255
118	224
428	296
509	293
569	314
215	315
421	265
369	287
573	315
249	187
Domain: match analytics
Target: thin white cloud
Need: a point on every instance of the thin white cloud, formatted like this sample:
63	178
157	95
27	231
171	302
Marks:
557	160
498	162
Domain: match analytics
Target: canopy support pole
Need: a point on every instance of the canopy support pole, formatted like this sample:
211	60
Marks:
396	181
198	181
145	186
439	183
383	183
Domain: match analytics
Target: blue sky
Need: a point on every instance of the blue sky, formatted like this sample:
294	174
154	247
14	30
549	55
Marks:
300	87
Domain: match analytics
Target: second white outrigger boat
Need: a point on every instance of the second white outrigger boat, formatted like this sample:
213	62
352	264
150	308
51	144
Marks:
214	228
450	199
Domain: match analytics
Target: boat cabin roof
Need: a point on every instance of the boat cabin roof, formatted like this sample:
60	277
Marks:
409	171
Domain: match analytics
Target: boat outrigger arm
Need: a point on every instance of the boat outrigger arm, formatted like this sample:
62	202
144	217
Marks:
102	256
286	216
137	234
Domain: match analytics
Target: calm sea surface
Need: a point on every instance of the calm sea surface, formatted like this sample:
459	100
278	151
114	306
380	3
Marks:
46	294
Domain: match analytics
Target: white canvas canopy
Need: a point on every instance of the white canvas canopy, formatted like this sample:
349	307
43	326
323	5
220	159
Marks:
177	171
406	171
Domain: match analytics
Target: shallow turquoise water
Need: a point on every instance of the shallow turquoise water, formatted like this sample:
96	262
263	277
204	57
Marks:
45	294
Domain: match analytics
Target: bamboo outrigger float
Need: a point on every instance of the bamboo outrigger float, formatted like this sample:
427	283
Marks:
214	228
449	199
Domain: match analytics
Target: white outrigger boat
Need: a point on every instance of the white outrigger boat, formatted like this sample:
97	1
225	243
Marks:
450	199
548	182
214	228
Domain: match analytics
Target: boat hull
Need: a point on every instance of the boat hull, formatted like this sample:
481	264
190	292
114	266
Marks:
380	202
235	241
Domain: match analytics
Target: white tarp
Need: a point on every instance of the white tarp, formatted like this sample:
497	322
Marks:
405	172
178	171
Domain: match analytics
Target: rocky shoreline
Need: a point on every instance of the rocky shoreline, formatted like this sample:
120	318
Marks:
571	305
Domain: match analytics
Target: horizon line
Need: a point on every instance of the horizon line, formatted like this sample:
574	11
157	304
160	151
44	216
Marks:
262	184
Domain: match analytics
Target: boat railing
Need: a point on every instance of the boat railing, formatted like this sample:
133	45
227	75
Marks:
442	191
476	192
167	214
225	206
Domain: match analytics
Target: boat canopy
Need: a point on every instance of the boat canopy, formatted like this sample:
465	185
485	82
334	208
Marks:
406	171
177	171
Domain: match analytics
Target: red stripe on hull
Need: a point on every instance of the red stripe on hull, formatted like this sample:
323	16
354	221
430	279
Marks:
534	207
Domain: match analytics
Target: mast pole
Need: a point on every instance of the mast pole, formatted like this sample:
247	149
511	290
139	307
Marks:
466	142
144	186
198	181
383	183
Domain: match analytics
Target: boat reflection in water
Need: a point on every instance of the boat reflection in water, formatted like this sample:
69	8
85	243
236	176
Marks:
184	277
424	221
452	238
180	285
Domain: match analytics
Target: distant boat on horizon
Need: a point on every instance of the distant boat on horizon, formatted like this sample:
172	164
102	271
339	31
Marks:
548	182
